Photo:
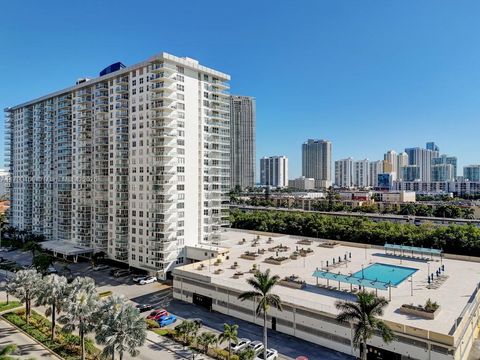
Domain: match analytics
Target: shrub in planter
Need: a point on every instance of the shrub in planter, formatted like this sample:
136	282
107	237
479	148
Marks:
152	324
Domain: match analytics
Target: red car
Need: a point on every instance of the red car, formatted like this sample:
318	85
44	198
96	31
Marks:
157	314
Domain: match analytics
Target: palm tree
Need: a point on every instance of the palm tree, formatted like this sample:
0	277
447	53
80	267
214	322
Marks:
24	286
33	247
247	354
82	309
53	292
363	315
229	334
187	329
206	339
121	328
262	284
6	351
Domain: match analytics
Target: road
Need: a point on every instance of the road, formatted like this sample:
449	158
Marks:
26	347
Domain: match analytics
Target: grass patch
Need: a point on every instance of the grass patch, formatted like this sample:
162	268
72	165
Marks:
105	293
65	345
11	305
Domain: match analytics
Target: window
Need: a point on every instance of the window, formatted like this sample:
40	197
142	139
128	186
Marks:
180	87
180	69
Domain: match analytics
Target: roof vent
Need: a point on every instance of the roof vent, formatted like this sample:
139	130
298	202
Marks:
82	80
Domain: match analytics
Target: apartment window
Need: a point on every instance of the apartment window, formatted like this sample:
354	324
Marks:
141	80
180	78
180	69
180	87
180	97
134	82
180	106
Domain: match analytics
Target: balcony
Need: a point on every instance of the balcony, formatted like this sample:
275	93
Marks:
161	86
163	76
221	84
161	67
122	89
122	80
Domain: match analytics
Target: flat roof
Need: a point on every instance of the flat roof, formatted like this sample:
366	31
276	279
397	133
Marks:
452	296
65	247
185	61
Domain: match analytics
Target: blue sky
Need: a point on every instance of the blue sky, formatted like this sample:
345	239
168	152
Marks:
367	75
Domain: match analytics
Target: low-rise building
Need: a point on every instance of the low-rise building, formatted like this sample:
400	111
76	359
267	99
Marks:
398	196
308	298
302	183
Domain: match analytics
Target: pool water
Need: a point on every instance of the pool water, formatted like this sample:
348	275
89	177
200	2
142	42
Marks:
385	273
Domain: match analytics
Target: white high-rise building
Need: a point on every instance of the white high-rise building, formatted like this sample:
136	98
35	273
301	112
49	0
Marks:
242	133
134	163
274	171
344	173
361	173
391	157
423	159
471	172
317	162
402	160
374	169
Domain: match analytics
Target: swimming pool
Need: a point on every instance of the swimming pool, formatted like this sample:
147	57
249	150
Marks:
385	273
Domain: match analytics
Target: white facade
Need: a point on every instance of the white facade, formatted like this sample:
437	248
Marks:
302	183
361	173
274	171
374	168
391	156
344	172
402	160
134	163
471	172
317	161
430	187
422	158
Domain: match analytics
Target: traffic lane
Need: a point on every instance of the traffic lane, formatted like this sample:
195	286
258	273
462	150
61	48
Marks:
287	345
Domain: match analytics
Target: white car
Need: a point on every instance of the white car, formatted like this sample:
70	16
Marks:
240	345
272	354
256	346
138	278
148	280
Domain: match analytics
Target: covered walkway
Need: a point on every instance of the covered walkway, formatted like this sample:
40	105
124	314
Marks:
66	248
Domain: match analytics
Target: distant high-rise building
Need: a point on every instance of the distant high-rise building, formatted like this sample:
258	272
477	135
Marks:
432	146
443	172
360	173
374	168
402	160
411	173
317	161
423	159
391	157
446	160
471	172
302	183
274	171
242	137
344	173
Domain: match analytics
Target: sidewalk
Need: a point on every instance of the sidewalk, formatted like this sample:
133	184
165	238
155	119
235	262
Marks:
175	347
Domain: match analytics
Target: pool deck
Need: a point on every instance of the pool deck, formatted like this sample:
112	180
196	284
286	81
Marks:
452	295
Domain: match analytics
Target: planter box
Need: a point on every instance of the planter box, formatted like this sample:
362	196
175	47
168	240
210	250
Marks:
276	262
329	245
249	257
304	253
418	312
305	242
218	271
292	284
237	276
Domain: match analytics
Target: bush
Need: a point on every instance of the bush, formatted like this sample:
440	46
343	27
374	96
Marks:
66	345
11	305
152	324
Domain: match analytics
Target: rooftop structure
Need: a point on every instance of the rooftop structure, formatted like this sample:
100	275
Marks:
317	273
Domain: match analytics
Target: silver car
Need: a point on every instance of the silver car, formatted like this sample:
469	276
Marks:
240	345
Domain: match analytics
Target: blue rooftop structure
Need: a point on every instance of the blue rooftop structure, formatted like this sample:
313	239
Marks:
350	279
402	249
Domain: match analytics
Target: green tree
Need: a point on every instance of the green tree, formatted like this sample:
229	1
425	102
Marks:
6	351
81	311
230	335
121	327
263	284
363	314
247	354
32	246
205	340
25	285
187	330
41	262
53	292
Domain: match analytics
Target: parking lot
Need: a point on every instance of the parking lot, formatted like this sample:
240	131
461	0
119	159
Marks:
160	296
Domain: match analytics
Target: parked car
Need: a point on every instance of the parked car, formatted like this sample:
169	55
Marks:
197	321
121	273
51	270
240	345
272	354
144	307
100	267
148	280
137	278
167	320
157	314
113	271
256	346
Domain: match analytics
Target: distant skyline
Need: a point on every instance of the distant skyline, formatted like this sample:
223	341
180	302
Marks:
369	76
